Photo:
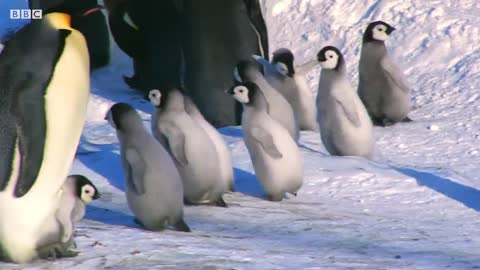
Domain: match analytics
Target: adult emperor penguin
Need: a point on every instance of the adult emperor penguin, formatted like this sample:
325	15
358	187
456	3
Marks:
276	158
93	25
278	106
149	32
382	86
78	191
154	188
216	34
225	158
190	146
44	84
281	74
345	127
90	21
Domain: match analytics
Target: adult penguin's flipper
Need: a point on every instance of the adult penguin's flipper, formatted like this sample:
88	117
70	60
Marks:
23	87
258	22
124	31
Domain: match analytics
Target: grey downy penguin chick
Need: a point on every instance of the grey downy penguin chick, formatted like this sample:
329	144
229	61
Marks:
190	146
278	106
345	127
276	158
153	185
382	86
283	76
77	192
225	157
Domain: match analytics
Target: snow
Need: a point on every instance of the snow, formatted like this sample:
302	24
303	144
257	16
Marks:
416	206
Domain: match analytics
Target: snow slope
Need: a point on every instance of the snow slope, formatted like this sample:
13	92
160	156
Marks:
415	207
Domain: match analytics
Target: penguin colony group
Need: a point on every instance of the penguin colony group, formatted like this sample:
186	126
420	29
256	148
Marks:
186	160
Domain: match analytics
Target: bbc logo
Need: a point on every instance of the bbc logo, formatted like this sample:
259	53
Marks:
34	14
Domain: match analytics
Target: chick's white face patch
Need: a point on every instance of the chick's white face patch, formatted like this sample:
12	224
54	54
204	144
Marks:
87	194
380	32
332	60
240	93
155	96
128	20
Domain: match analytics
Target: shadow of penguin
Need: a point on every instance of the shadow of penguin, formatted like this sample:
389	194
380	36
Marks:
468	196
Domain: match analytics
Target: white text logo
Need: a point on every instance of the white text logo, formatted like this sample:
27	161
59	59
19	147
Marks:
33	14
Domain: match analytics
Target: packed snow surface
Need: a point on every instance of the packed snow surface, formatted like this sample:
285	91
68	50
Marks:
416	206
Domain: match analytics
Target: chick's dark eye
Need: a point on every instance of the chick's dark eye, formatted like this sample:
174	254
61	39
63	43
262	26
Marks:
87	191
241	91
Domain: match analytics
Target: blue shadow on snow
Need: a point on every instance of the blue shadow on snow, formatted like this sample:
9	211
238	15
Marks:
468	196
104	162
231	131
247	183
108	216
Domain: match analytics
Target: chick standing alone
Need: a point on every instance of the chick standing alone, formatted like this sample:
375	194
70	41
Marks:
382	86
154	187
345	128
276	158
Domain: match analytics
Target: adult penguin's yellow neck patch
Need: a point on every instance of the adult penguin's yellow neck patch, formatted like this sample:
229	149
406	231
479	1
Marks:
59	20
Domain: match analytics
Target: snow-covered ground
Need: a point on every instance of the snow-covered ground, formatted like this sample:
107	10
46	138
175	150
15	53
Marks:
415	207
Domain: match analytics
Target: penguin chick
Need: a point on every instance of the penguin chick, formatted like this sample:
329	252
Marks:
278	106
189	145
78	191
153	186
276	158
345	128
382	86
281	74
225	158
